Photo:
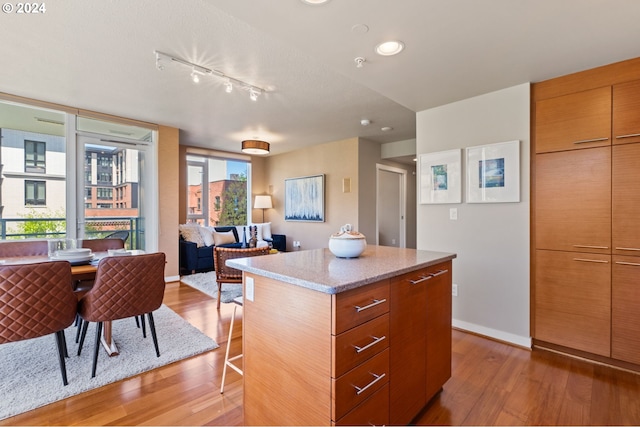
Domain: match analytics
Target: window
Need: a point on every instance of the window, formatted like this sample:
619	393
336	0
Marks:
35	193
217	190
34	156
105	193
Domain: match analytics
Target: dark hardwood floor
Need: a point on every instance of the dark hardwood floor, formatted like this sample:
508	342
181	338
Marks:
492	384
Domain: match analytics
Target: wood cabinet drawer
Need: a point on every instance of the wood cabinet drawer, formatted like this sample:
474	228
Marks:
359	344
373	411
354	387
575	121
625	304
354	307
573	201
626	110
573	300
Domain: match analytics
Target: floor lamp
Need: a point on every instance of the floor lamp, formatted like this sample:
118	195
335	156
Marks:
262	202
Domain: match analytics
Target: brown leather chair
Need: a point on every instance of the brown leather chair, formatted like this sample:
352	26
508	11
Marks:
23	248
225	274
125	286
36	300
103	245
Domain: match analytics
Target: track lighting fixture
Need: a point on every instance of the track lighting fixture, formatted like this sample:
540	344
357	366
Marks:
162	59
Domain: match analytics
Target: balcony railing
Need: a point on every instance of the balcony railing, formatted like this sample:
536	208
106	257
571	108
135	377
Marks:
95	228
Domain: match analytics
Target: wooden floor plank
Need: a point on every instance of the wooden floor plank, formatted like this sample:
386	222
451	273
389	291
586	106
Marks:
492	384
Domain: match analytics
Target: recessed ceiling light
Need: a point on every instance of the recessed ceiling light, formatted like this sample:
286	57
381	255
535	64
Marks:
314	2
390	48
386	129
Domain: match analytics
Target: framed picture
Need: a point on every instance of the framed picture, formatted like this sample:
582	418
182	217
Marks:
304	199
493	173
440	177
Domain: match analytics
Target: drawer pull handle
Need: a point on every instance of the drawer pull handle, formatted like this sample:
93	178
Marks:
627	249
591	247
422	279
635	264
377	378
583	141
373	304
375	341
439	273
591	260
631	135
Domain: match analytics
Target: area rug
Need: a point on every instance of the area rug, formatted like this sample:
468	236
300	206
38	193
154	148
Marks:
30	373
206	283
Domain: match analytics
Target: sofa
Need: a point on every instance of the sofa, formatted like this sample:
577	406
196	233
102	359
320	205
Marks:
197	243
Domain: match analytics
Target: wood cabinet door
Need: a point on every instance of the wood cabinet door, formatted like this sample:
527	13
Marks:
407	359
438	328
575	121
625	308
626	112
573	200
626	199
573	300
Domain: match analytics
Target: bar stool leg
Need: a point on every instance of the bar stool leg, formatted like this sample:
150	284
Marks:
229	361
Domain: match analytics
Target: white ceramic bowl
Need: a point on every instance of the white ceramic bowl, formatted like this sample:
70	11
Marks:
347	247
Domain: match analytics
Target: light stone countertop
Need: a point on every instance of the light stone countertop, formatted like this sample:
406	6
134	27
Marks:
320	270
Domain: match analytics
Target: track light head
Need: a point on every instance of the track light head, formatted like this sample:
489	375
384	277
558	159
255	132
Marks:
253	94
228	87
195	77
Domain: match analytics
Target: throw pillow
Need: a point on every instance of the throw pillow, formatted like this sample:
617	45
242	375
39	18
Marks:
191	233
207	236
264	230
223	238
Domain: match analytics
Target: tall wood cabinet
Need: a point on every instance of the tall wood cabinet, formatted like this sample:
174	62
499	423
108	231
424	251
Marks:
420	329
586	287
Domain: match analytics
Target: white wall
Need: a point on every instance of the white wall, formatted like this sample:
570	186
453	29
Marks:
491	240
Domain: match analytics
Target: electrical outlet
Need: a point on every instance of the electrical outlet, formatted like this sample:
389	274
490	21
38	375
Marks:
454	290
249	288
453	214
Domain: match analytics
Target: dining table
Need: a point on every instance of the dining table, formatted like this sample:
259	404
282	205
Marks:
80	272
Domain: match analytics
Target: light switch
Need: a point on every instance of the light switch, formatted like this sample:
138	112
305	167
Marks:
453	214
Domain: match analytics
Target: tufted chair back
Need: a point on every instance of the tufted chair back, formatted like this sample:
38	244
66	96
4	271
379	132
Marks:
125	286
36	300
103	245
226	274
23	248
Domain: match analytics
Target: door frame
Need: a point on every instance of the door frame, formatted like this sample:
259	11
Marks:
402	202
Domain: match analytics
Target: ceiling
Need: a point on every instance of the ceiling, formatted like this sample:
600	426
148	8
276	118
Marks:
99	55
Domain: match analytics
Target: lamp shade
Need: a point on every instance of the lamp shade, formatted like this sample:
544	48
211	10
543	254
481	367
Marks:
254	146
262	202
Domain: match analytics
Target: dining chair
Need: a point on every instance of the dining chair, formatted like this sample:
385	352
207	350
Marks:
226	274
84	285
125	286
37	300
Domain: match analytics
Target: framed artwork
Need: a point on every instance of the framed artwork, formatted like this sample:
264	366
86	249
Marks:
304	199
440	177
493	173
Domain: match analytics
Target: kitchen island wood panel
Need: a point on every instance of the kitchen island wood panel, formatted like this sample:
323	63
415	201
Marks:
317	340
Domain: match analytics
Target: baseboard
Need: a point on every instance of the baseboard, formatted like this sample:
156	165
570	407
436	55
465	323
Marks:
507	337
170	279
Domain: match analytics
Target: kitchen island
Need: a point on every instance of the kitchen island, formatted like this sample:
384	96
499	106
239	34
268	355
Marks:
344	341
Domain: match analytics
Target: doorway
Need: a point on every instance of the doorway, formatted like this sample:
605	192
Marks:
391	196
